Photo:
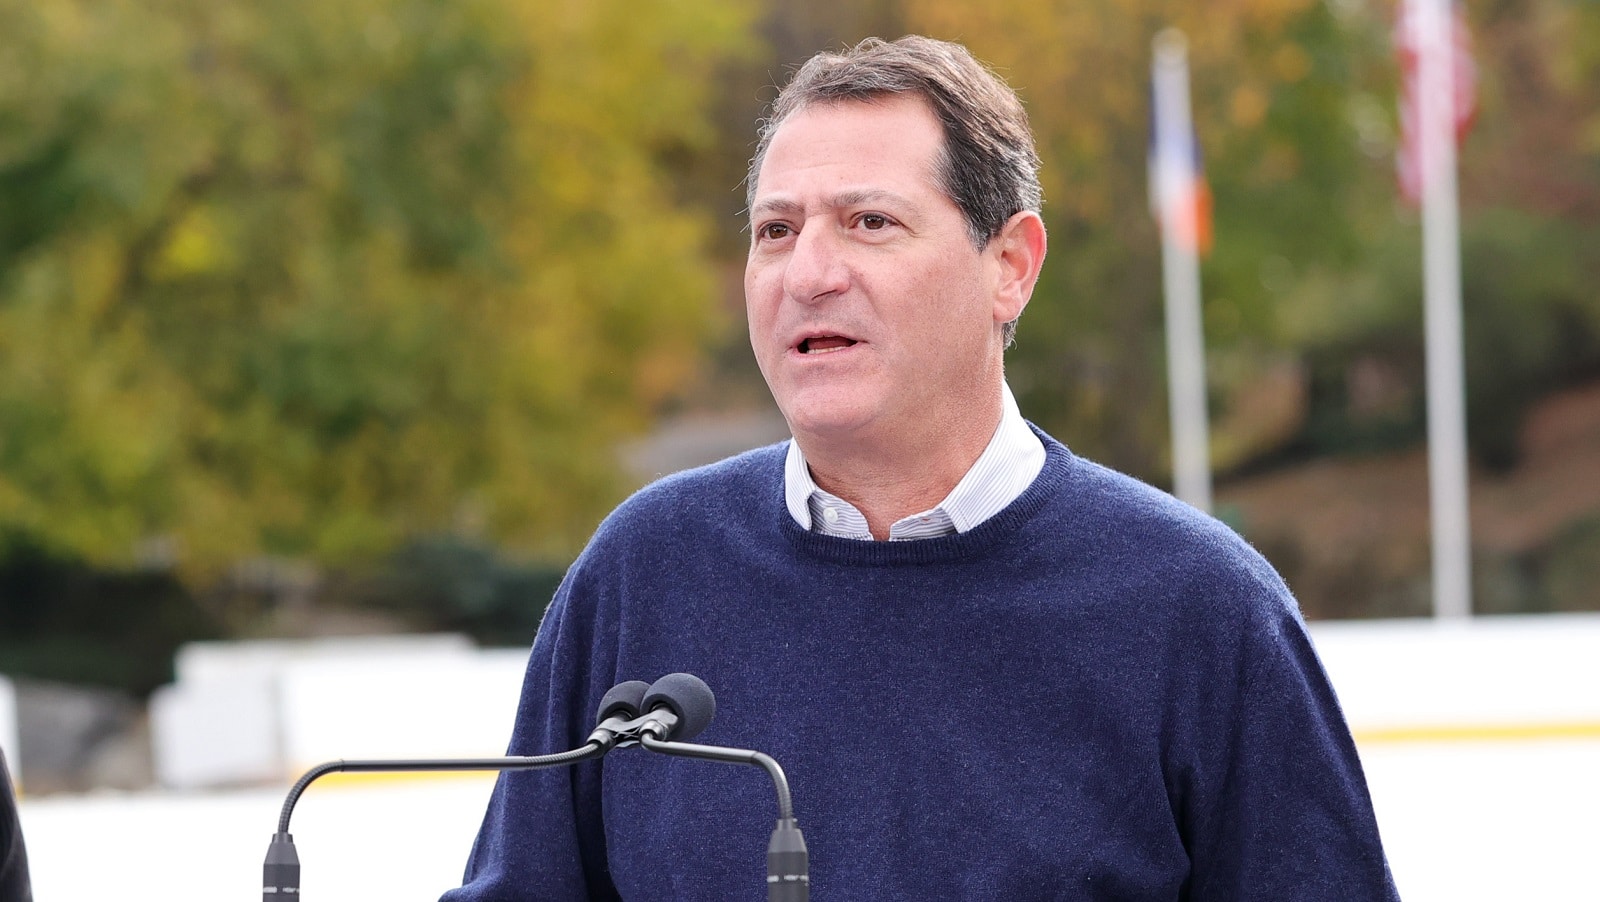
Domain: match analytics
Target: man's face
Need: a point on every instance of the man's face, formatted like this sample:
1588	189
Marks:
871	313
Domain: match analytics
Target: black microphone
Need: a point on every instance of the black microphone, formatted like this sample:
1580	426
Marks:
280	873
690	705
678	706
618	708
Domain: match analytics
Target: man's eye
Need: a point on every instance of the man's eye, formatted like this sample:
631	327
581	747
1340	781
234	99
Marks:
773	231
872	222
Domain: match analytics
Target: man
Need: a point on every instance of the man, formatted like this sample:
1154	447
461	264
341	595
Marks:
991	669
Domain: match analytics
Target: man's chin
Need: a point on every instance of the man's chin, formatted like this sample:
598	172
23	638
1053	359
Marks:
825	422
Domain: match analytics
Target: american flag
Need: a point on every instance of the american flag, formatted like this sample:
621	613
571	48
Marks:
1410	46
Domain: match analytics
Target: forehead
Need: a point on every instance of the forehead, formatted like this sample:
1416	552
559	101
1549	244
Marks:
893	143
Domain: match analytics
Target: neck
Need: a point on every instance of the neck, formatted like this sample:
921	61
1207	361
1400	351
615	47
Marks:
891	478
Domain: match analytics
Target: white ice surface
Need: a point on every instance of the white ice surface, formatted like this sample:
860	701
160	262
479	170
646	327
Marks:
384	841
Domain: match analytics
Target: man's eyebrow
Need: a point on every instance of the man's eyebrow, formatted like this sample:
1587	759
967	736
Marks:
870	196
774	205
852	198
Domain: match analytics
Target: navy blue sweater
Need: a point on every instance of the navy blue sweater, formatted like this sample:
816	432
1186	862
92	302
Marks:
1099	693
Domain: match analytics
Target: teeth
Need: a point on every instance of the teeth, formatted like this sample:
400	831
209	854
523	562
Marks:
824	344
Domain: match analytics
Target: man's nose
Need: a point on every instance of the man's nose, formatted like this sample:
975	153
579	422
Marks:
816	266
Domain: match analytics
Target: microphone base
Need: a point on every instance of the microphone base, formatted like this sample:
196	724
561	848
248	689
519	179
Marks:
280	873
788	864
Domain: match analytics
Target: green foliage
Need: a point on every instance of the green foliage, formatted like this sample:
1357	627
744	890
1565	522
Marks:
1532	320
446	584
307	279
62	619
1531	324
1570	567
1315	260
316	281
1273	80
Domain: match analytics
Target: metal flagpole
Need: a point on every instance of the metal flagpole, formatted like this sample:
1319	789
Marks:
1180	265
1447	429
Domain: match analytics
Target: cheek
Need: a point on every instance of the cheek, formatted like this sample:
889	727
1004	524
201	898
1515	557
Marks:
761	322
947	310
755	307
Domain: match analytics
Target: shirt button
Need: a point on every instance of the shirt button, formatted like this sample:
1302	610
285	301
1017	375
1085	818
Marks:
831	515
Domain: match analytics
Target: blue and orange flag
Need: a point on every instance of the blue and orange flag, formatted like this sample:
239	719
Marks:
1183	198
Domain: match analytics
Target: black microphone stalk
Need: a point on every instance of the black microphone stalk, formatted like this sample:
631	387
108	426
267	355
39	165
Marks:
280	873
788	864
689	705
674	708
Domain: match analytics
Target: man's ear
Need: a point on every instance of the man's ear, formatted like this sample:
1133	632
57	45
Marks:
1019	249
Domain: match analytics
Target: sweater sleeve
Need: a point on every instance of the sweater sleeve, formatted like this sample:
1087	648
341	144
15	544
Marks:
1279	808
542	837
14	883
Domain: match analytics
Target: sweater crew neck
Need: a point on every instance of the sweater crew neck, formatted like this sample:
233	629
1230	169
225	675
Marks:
1009	523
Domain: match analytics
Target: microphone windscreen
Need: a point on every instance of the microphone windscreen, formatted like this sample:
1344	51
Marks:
689	697
626	699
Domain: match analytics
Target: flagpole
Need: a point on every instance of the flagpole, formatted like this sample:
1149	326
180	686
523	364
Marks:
1441	234
1180	265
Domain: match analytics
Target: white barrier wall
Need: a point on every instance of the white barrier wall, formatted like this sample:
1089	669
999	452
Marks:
265	711
249	712
217	733
399	708
204	662
9	742
1486	676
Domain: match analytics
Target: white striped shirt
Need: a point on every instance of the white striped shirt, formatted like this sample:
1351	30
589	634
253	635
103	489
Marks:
1004	470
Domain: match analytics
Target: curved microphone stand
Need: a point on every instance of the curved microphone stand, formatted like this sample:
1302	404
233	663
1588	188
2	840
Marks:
788	863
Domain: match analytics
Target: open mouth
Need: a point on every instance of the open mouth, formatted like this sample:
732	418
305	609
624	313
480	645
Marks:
823	344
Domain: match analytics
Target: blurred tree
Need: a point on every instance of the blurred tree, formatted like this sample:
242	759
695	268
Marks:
1316	267
446	584
61	619
309	279
1530	198
319	281
1273	80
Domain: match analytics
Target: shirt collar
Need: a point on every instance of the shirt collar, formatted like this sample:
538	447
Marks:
1006	468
